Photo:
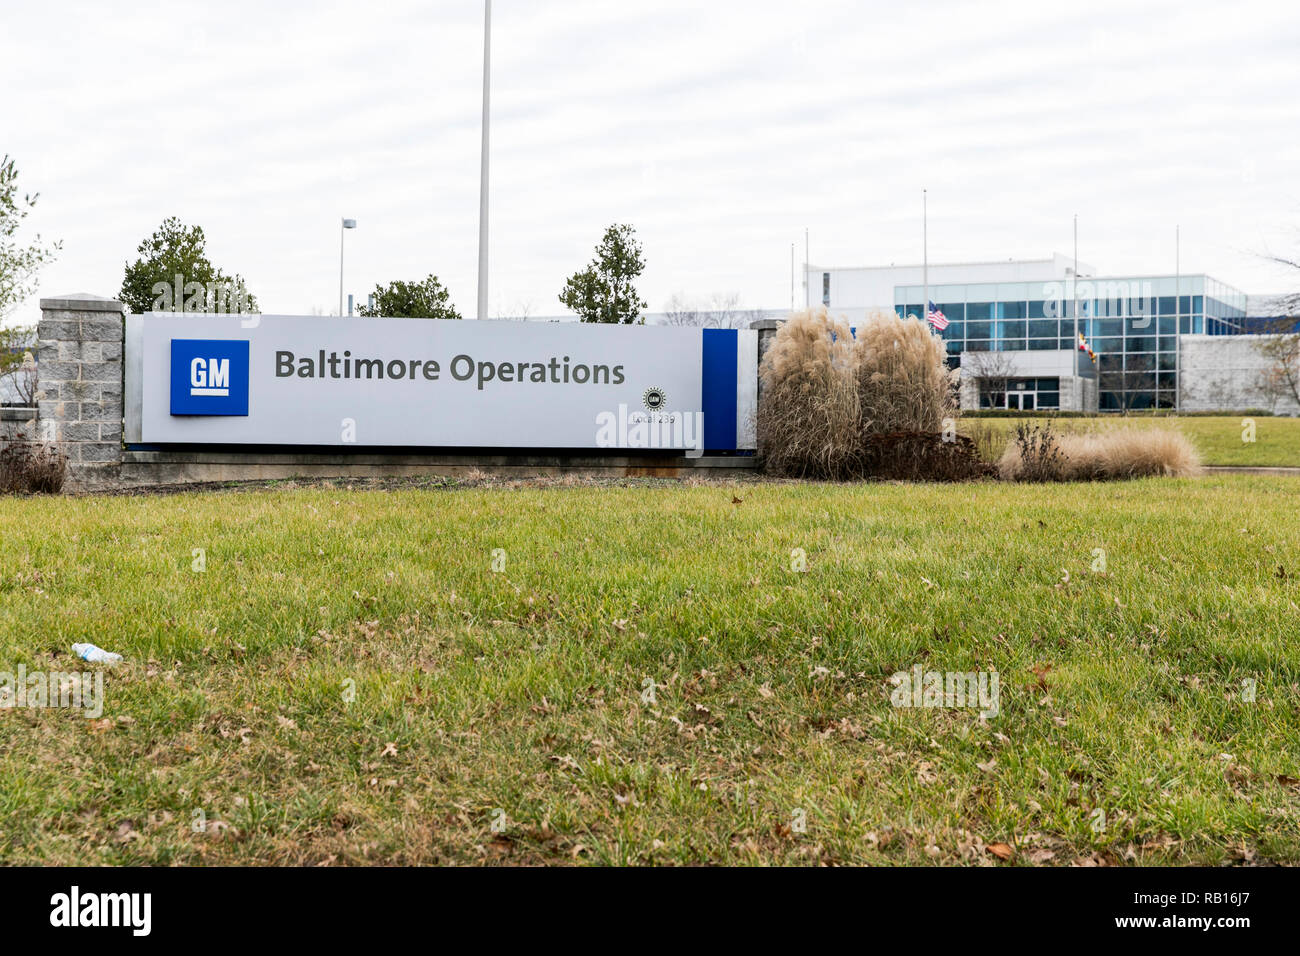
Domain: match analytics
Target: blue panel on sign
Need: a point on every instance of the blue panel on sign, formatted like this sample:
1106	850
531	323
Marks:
718	400
209	377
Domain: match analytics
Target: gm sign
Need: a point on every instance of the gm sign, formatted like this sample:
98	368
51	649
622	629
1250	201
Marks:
209	377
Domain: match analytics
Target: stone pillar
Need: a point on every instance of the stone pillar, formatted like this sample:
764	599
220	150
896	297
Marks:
766	329
79	396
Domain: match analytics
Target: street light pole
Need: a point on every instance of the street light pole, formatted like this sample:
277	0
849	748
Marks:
347	224
483	171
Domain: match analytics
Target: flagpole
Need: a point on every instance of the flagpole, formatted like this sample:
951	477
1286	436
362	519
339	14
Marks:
483	167
807	277
1077	383
1178	324
925	257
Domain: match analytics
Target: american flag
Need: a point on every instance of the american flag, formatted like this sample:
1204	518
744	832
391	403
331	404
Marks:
936	318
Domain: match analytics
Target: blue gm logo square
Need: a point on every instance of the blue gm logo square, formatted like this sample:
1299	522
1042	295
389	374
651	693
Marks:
209	376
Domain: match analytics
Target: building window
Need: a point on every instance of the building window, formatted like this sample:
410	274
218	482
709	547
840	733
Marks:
826	288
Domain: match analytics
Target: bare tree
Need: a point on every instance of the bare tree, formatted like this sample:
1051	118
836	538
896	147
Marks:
680	312
1280	343
521	312
1280	348
719	312
1288	303
993	372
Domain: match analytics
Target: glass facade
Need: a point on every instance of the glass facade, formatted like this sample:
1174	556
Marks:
1024	394
1131	323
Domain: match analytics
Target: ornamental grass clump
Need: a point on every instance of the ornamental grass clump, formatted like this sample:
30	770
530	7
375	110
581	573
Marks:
904	384
808	417
1038	454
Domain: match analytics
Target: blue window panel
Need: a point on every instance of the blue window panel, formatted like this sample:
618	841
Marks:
1011	329
720	348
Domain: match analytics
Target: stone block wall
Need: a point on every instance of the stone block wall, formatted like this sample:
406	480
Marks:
79	401
1227	373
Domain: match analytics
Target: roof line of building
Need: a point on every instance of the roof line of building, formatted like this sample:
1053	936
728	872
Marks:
941	265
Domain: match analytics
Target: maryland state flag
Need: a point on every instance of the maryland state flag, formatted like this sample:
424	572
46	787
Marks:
1085	347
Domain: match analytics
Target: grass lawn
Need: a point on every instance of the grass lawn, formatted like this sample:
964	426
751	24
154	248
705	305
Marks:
1218	438
349	681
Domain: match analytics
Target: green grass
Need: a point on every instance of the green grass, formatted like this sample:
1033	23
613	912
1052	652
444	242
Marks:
1219	439
520	693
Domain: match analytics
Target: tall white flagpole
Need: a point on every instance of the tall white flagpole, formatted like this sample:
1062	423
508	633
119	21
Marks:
1178	324
1075	345
925	258
483	170
807	274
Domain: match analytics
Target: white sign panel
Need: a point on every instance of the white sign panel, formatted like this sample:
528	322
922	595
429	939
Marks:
310	380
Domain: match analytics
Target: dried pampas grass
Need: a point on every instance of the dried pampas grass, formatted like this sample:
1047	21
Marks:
808	416
1099	456
904	384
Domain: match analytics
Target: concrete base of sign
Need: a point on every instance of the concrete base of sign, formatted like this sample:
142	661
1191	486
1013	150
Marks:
144	468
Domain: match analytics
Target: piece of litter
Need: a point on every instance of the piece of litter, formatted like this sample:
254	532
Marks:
96	655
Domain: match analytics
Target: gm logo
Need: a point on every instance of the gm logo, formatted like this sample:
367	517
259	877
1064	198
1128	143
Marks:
209	376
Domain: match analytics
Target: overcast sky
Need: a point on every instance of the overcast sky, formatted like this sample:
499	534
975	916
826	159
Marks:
720	130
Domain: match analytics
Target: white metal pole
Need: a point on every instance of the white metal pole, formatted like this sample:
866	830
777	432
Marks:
807	274
1078	384
925	257
342	233
1178	325
792	277
483	171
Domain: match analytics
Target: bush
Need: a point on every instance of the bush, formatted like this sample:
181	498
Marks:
904	384
1033	455
918	456
1039	455
808	416
31	467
